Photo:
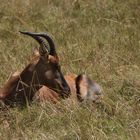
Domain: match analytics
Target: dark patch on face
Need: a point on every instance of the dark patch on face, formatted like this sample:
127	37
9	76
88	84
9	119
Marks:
53	77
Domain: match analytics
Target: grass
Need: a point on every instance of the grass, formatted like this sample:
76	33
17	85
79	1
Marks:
100	38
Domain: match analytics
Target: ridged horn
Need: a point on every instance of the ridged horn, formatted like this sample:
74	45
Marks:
50	41
43	45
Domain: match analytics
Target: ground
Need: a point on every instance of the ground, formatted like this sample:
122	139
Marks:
98	37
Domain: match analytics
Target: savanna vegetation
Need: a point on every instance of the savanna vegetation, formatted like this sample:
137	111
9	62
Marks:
98	37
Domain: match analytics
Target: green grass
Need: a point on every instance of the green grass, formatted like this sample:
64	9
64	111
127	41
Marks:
98	37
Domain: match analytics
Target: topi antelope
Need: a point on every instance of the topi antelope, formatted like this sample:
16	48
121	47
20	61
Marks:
44	69
82	89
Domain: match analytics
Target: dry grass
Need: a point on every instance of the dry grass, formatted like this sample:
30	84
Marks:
100	38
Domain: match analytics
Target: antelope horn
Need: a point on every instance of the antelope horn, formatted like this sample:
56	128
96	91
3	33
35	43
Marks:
50	41
43	45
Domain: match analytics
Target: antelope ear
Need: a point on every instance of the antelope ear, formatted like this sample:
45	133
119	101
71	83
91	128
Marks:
53	59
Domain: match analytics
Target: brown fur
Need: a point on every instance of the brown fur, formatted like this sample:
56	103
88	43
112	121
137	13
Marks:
45	94
9	85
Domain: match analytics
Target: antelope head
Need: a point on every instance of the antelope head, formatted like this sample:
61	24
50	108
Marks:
48	68
43	70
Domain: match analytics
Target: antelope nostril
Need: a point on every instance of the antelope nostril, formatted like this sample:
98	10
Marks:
67	89
63	86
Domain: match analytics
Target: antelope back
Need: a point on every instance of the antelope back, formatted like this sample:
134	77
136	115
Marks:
9	85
